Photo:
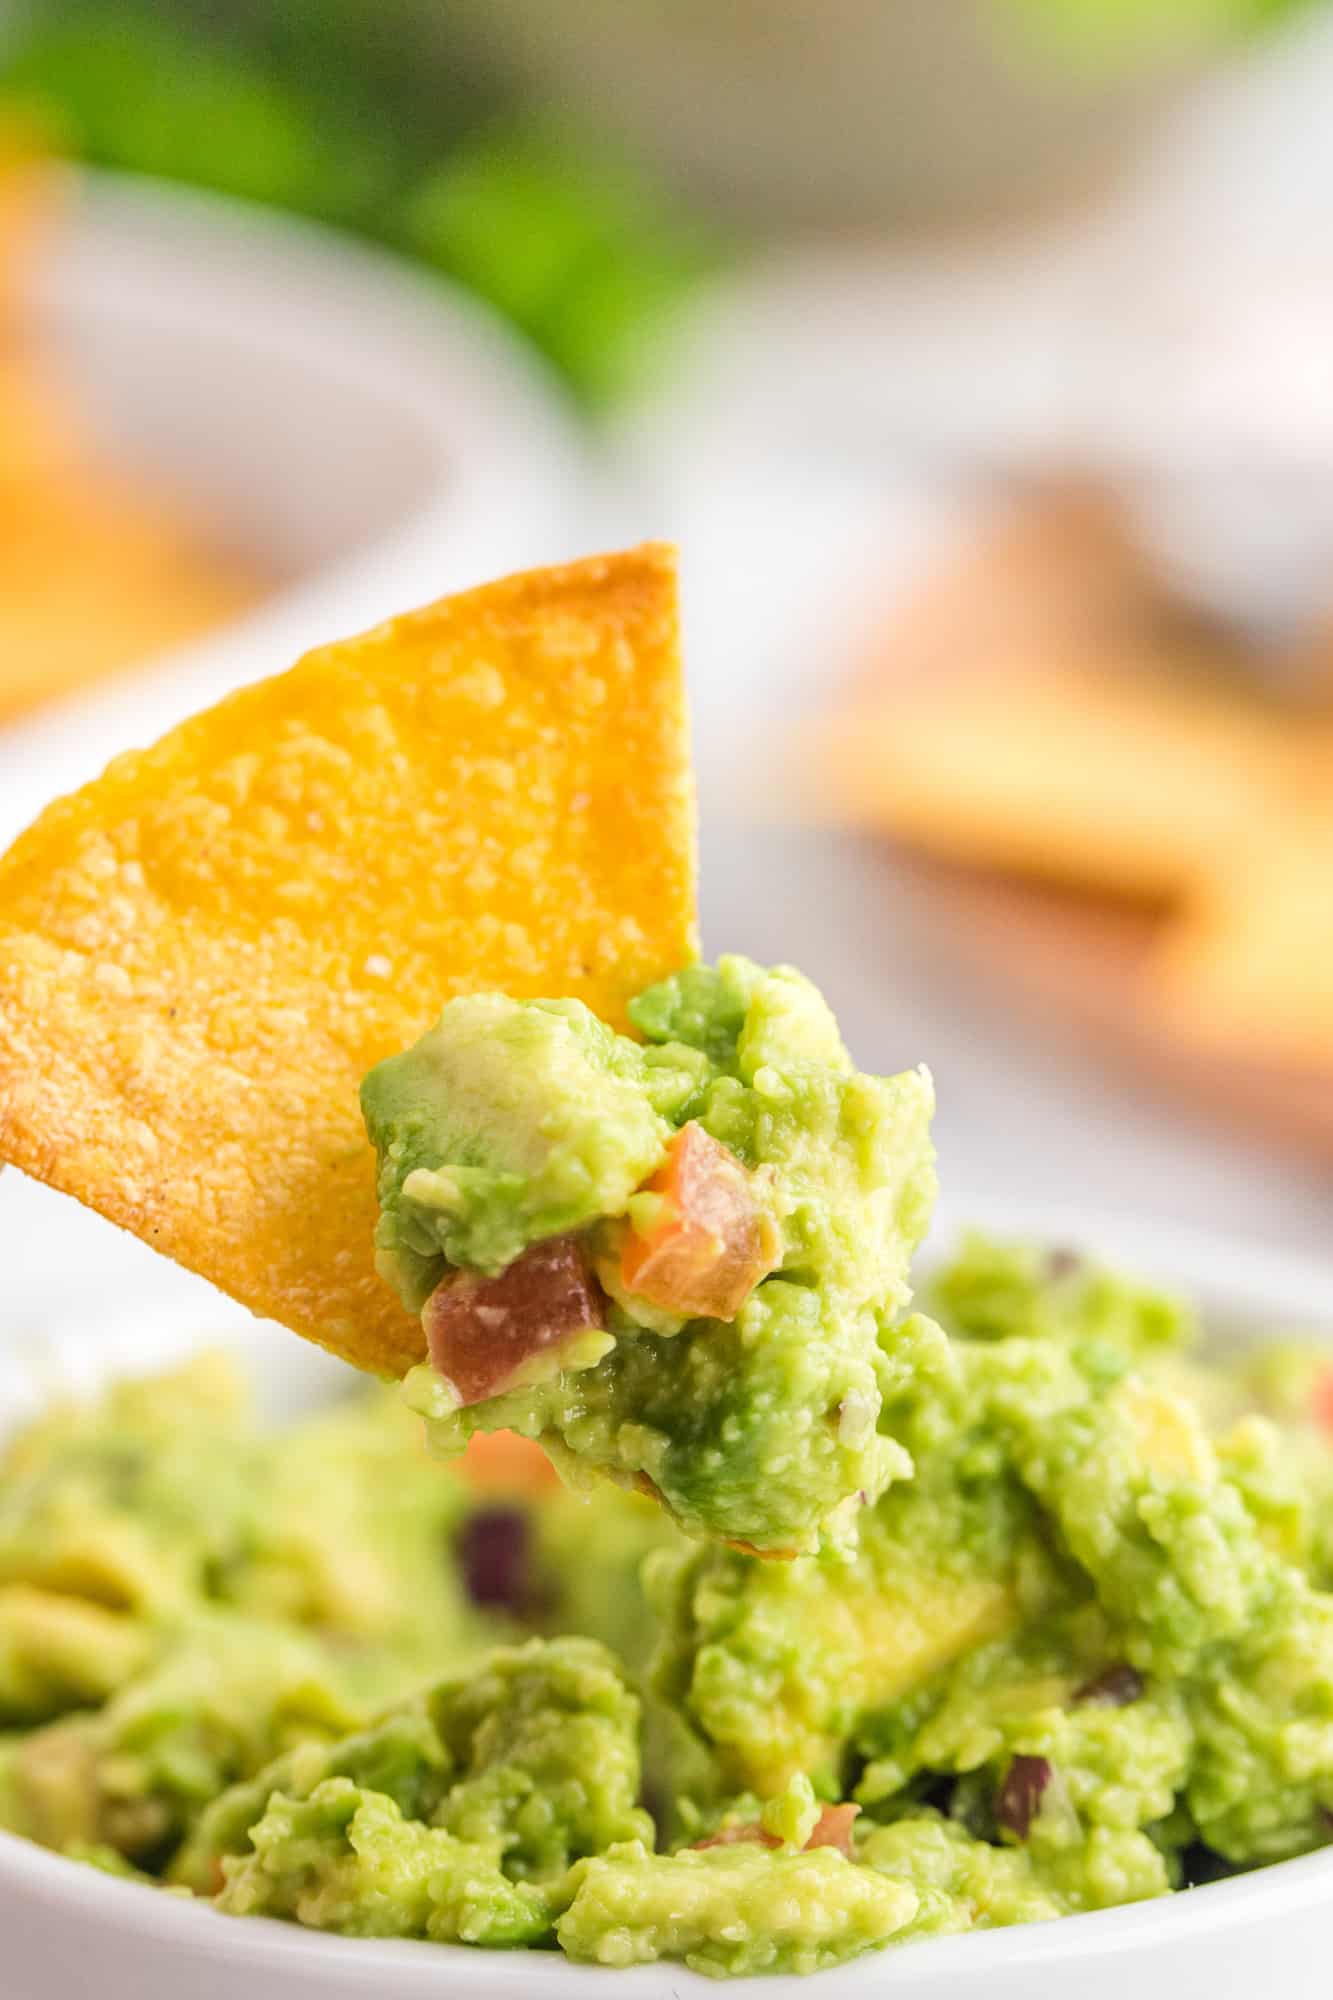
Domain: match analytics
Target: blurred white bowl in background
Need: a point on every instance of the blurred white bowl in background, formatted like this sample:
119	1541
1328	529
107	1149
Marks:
369	436
849	112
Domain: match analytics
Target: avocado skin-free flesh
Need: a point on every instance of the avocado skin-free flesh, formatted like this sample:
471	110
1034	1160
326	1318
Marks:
514	1121
1078	1651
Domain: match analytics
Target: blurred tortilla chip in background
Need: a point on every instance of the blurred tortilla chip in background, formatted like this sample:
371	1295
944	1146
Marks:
203	952
1108	780
97	571
1114	811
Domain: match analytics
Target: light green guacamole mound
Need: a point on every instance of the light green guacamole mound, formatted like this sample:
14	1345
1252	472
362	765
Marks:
512	1121
731	1910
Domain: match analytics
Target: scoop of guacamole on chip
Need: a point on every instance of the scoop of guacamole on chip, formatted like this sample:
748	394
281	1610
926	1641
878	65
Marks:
681	1262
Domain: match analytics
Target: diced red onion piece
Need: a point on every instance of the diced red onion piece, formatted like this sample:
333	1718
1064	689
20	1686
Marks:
1020	1795
1116	1687
482	1331
495	1555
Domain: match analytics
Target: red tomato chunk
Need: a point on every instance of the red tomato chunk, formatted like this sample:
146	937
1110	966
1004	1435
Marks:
833	1828
1321	1400
712	1243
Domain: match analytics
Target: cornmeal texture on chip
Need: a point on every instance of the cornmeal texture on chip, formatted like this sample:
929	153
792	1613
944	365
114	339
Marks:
203	952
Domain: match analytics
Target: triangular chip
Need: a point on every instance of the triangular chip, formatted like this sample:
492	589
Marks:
203	952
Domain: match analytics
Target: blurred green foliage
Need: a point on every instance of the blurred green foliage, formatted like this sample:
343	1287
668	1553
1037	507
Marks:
577	258
334	109
377	116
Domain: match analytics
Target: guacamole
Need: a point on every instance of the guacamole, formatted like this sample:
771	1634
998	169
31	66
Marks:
1067	1644
679	1262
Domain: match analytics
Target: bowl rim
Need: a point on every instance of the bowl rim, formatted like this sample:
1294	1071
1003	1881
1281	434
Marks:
1243	1280
417	1968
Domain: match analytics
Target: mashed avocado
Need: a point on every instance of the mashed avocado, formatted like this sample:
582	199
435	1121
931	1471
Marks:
1060	1636
735	1206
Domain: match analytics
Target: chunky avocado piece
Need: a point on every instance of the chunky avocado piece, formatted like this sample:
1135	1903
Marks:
778	1665
533	1758
345	1859
510	1121
132	1776
731	1910
456	1818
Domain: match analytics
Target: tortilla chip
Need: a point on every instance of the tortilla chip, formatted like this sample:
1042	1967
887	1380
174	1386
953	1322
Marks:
1129	783
203	952
1248	967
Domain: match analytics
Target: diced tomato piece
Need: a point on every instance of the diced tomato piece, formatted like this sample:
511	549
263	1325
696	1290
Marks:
833	1828
505	1462
1321	1400
482	1331
712	1243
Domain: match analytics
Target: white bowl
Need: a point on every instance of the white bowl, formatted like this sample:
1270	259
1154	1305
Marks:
67	1929
371	436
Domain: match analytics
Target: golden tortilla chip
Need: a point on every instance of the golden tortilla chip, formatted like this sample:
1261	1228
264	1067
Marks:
203	952
1130	783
